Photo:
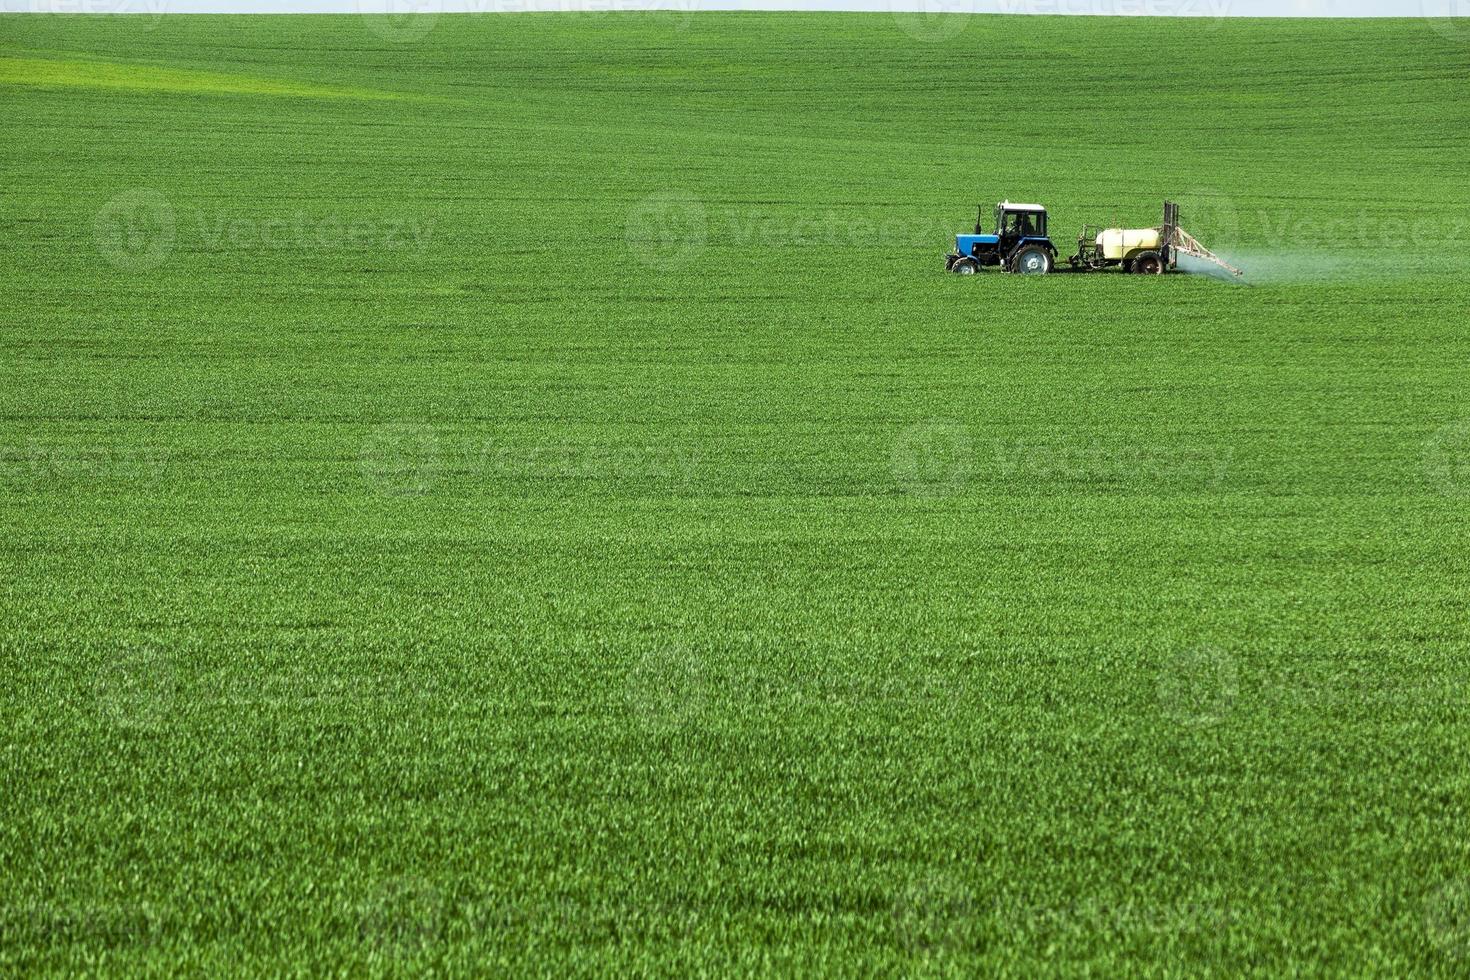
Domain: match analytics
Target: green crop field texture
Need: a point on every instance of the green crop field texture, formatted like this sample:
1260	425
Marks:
521	494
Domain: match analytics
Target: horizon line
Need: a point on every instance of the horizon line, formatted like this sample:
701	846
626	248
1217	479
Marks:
1131	9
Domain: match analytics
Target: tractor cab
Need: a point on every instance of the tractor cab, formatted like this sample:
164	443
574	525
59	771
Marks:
1018	244
1017	221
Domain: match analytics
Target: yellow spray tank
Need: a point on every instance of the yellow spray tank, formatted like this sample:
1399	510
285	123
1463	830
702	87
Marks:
1121	243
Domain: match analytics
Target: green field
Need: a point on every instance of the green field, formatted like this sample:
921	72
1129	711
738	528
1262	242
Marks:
520	494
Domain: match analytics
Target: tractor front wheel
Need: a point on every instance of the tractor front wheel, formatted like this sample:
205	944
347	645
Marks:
1149	264
965	267
1032	260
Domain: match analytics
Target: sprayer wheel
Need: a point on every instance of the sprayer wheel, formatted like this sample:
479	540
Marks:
1149	264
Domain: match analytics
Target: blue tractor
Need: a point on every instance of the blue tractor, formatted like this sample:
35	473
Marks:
1019	244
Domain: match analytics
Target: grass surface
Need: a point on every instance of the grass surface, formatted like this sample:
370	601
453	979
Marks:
489	491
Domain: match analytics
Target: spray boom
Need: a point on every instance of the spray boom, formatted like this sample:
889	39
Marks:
1186	244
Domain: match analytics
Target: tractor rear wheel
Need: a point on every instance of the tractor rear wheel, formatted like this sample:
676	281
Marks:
965	267
1149	264
1032	260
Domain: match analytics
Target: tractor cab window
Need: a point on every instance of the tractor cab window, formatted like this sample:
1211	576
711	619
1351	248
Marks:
1019	223
1023	223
